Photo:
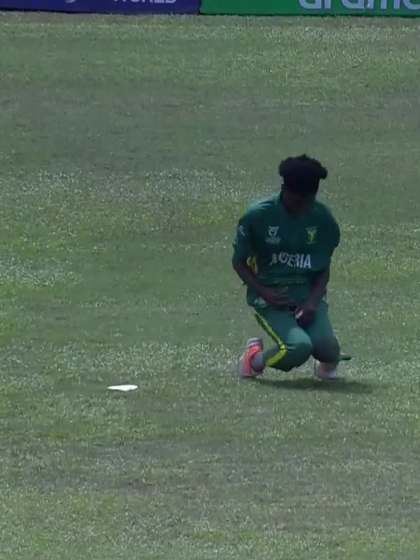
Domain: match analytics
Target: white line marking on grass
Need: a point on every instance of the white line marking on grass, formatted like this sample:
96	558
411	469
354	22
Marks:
123	388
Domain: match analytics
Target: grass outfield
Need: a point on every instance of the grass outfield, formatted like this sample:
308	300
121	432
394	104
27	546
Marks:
128	149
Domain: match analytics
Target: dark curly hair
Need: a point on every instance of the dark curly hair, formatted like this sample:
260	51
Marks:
302	174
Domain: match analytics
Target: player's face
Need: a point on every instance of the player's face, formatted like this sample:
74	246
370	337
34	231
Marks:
297	203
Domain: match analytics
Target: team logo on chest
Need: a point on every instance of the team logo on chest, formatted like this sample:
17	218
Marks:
312	235
273	235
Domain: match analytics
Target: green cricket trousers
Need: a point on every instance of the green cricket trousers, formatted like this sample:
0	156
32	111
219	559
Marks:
294	344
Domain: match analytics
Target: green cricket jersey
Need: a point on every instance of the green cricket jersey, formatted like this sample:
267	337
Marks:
283	249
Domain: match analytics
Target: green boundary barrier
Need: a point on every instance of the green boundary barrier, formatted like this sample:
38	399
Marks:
312	7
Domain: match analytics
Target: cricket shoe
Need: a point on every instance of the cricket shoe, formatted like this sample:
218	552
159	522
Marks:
324	372
253	346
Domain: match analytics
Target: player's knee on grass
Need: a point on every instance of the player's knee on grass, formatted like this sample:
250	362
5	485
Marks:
326	350
296	355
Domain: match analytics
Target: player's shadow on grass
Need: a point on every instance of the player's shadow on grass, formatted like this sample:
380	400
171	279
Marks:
338	386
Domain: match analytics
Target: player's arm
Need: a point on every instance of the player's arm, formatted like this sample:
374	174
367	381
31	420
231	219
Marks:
243	249
319	288
275	297
306	313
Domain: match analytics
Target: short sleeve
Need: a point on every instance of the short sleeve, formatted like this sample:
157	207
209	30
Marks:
243	243
335	235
